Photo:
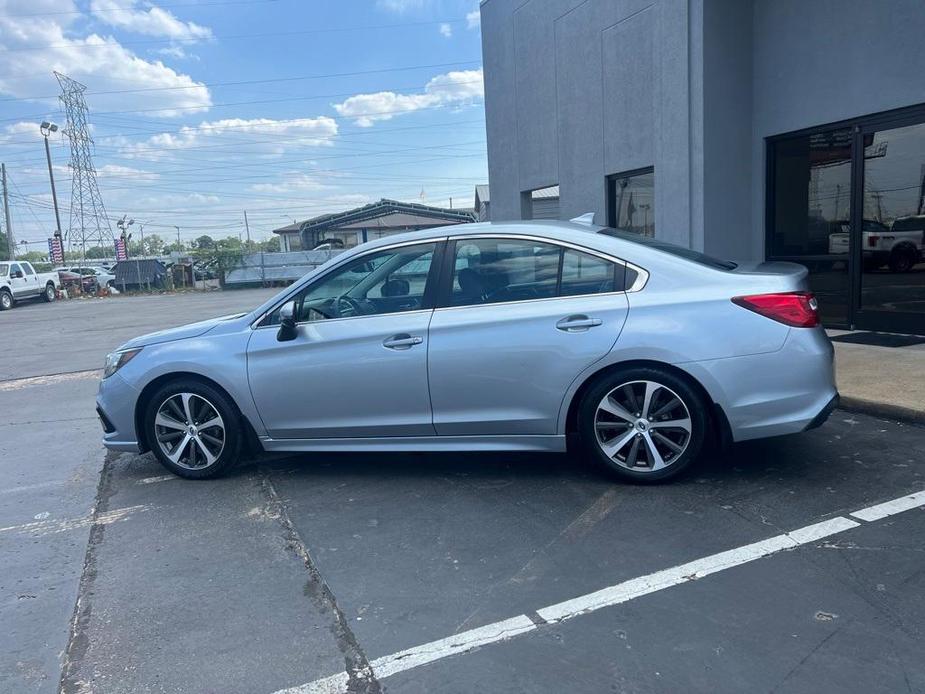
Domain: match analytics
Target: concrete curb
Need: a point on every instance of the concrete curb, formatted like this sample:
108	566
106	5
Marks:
882	409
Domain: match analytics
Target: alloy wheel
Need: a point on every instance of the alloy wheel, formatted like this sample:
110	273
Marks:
643	426
190	431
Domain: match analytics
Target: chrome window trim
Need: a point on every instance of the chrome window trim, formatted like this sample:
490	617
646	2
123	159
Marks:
298	286
642	276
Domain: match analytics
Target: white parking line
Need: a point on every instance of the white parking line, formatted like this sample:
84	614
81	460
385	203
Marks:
889	508
50	379
612	595
50	527
159	478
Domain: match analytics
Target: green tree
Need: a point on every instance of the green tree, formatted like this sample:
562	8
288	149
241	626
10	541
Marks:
154	245
4	248
204	242
271	245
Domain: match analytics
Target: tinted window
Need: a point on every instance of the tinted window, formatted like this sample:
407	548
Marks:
672	249
632	201
586	274
488	271
385	282
4	269
27	269
14	268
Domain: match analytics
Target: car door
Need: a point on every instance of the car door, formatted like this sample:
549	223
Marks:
520	320
358	364
32	287
19	285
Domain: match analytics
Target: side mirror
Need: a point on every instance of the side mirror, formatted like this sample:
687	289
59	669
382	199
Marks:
287	330
17	275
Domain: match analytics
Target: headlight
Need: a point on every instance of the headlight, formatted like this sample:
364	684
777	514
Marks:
116	360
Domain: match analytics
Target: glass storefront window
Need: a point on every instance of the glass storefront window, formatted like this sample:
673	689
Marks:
811	213
632	201
893	245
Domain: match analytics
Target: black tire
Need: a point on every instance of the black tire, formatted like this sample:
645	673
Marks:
6	300
667	387
49	294
232	436
903	258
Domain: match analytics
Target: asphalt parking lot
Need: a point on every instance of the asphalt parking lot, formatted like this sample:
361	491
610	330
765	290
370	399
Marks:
438	573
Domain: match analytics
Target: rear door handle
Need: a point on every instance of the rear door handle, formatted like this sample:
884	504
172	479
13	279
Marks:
402	341
577	323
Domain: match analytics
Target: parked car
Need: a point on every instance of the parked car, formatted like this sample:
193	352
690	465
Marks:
19	280
899	246
512	336
103	277
74	281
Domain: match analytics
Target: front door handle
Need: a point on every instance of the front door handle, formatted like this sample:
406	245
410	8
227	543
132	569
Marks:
402	341
577	323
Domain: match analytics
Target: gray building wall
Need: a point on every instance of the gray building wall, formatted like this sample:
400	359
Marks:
577	90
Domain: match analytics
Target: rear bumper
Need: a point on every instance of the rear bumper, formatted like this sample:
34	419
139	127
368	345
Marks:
823	415
775	393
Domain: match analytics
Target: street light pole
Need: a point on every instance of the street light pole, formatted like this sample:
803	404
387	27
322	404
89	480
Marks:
46	129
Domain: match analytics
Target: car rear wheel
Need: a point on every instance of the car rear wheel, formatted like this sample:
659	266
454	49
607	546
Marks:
643	424
193	429
49	293
903	258
6	300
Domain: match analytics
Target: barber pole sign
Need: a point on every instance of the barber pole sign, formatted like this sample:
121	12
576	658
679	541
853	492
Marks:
121	253
55	251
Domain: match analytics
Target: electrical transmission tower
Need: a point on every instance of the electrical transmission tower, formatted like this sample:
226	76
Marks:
89	224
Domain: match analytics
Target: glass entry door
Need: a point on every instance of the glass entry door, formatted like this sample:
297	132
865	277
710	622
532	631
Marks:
892	267
848	202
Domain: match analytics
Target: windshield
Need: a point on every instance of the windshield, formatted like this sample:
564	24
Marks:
4	269
672	249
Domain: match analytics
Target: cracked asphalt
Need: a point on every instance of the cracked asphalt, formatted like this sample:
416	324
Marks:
115	577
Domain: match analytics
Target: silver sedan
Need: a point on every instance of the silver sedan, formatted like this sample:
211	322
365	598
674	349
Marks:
512	336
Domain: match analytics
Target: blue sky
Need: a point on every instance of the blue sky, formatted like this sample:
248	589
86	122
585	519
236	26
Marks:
285	108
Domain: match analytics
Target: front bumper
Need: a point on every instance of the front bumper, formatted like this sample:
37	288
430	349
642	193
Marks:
115	406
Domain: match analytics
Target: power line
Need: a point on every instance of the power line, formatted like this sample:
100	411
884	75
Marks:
227	37
133	7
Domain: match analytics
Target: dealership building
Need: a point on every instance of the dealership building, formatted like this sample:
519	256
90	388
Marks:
748	129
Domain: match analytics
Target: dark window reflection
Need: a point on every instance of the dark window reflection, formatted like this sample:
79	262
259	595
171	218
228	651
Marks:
811	212
632	202
893	246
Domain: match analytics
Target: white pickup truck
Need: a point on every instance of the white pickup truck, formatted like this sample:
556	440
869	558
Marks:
19	280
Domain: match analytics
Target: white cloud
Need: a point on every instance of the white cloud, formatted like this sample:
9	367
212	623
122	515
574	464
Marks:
176	52
446	30
315	132
147	20
473	19
459	87
401	6
49	39
119	171
291	182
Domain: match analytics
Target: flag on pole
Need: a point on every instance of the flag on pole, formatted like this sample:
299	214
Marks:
121	253
55	251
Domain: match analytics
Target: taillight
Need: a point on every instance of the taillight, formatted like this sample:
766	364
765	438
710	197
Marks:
797	309
872	240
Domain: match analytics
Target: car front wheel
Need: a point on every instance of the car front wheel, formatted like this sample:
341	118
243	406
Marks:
194	429
643	424
6	300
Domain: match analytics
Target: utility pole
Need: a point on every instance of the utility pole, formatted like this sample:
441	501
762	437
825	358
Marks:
46	129
6	212
247	228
